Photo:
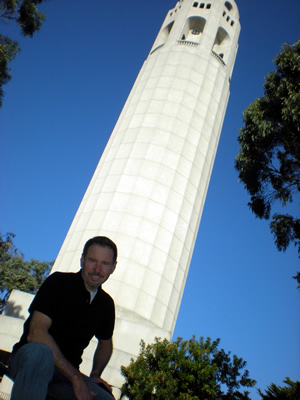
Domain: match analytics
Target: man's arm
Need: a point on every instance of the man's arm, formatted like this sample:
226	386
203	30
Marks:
39	333
102	355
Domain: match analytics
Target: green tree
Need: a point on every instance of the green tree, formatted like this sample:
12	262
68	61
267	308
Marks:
26	14
185	370
289	392
15	273
268	162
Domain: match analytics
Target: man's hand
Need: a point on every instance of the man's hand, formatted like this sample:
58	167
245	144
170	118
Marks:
81	390
101	382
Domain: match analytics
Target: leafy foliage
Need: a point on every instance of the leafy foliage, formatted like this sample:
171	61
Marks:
289	392
29	18
8	50
269	157
15	273
185	370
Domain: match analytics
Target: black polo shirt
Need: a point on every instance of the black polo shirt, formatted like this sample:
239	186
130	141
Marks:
64	298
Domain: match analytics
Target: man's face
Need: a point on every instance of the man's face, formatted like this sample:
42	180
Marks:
97	266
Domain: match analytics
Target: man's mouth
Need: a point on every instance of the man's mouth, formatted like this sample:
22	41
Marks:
95	277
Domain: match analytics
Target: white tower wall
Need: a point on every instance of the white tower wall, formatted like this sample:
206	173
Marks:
148	191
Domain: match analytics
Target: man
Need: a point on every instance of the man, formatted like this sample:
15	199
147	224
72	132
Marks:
68	310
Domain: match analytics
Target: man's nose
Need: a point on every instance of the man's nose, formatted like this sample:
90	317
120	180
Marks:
98	267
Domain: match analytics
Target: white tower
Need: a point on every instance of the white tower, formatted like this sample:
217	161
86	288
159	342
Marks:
148	191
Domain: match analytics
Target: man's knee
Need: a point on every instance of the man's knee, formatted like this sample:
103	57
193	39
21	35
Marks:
33	356
38	352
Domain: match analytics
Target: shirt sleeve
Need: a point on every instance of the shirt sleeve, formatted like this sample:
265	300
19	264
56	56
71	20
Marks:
47	298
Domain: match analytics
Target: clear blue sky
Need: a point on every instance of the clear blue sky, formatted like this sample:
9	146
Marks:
68	87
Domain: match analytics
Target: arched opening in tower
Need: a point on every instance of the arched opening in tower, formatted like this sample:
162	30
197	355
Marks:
163	36
193	29
222	44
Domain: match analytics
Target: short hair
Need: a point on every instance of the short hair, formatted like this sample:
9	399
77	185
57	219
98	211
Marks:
101	241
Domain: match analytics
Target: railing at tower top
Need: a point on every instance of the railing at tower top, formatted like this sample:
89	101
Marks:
184	42
188	43
218	57
193	44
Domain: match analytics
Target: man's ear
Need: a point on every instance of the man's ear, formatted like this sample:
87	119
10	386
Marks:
114	267
81	262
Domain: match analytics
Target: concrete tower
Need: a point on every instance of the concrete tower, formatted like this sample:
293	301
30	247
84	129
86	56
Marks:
148	191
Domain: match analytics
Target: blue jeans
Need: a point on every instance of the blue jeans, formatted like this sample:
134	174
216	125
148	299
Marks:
32	369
